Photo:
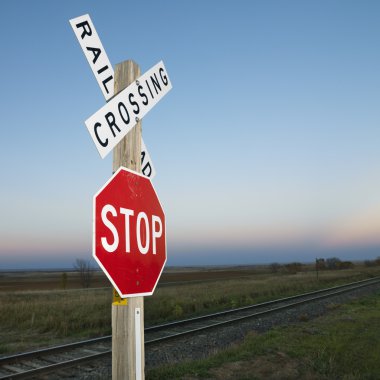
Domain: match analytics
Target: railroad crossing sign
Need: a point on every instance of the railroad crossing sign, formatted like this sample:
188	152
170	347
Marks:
129	241
129	231
97	58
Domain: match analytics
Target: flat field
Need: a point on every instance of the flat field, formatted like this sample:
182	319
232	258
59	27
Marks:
36	311
53	280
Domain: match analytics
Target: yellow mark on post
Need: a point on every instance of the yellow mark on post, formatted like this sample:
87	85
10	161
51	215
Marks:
117	300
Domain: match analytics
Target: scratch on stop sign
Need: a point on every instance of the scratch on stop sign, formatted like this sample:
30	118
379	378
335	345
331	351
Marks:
134	187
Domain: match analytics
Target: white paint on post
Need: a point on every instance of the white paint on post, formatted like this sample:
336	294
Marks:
115	119
96	56
138	342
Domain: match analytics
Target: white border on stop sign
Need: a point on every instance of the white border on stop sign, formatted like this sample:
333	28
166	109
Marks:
94	233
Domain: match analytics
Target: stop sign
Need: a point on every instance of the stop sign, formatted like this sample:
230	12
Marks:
129	240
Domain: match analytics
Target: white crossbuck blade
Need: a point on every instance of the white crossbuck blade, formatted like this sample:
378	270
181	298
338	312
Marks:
116	118
96	56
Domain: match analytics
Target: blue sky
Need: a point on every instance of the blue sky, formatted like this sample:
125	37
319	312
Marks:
266	149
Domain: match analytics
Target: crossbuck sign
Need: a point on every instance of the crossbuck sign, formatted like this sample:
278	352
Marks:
118	119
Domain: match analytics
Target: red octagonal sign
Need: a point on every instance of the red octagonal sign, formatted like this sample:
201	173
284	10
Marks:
129	240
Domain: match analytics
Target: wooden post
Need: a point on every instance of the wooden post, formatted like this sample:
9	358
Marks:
128	355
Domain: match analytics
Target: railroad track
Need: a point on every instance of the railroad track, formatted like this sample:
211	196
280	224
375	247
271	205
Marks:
39	362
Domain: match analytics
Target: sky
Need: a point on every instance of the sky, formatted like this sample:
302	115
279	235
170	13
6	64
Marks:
267	149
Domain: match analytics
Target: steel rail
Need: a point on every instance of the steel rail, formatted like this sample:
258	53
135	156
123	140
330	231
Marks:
320	294
56	366
258	314
258	305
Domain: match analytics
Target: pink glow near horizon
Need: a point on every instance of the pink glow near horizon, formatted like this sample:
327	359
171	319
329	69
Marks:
362	228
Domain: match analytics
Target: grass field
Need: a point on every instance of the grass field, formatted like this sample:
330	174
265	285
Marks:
35	318
344	344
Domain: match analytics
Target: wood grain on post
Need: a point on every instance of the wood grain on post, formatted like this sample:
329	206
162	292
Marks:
128	152
127	364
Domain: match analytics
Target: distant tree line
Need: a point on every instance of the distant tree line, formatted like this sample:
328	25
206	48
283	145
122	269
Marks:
372	263
291	268
332	263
